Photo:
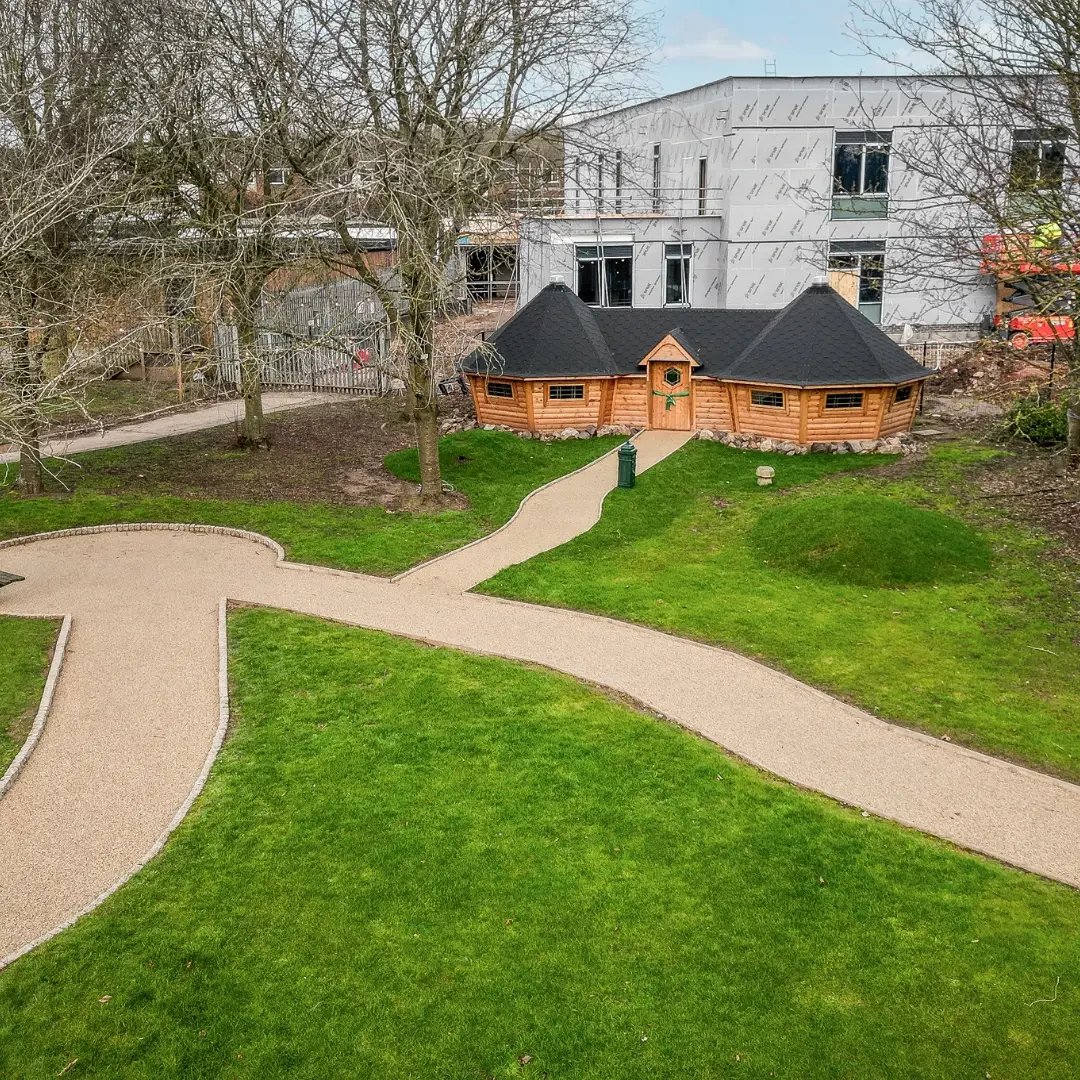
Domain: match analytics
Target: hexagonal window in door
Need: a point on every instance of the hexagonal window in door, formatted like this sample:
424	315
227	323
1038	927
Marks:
673	376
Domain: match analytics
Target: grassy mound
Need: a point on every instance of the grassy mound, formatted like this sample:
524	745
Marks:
865	539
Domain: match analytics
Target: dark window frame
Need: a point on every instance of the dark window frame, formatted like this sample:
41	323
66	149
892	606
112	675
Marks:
702	186
758	399
502	390
903	393
845	399
1046	168
614	274
618	182
566	392
878	143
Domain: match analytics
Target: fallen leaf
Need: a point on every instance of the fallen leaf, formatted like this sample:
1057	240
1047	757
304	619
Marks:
525	1059
104	999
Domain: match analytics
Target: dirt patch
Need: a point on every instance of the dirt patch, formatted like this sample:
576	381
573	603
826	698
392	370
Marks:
1031	487
325	454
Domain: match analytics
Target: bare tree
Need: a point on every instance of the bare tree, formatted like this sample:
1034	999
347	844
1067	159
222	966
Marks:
227	88
998	154
435	107
61	129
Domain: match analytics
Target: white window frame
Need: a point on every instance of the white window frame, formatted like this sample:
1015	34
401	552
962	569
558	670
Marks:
688	281
278	171
656	177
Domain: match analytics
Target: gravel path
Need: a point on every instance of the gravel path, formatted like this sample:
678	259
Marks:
136	709
224	412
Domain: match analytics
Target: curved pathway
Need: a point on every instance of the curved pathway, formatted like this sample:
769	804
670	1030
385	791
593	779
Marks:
136	710
178	423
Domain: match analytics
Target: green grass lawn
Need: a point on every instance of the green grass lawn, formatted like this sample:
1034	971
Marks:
865	585
25	646
410	862
495	470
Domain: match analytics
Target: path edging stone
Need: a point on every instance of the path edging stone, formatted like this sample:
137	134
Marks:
38	726
182	811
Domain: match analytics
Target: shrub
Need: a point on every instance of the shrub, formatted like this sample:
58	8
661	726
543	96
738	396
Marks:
1035	421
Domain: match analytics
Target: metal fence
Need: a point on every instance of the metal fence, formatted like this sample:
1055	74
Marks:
329	337
932	354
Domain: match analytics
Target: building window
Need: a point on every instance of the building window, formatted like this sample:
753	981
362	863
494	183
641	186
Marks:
605	276
903	393
577	187
600	183
677	273
574	392
702	186
1038	160
275	177
843	401
673	376
500	389
618	182
656	177
861	174
770	399
857	273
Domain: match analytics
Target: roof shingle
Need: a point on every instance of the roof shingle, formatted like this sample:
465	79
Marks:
817	340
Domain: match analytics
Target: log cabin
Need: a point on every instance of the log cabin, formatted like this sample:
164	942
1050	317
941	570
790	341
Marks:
814	371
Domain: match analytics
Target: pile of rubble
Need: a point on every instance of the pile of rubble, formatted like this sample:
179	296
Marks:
902	443
996	371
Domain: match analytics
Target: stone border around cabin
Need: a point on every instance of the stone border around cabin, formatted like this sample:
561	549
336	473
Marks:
903	442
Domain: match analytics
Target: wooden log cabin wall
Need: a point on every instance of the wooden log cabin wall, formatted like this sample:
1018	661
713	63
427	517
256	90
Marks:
816	371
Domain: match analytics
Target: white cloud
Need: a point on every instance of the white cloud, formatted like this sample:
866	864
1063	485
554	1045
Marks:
712	41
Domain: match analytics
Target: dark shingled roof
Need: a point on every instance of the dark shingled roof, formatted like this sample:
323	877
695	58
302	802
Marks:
817	340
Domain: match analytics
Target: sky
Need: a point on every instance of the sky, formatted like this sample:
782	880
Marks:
706	41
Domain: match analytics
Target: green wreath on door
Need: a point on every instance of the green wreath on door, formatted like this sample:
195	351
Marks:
669	397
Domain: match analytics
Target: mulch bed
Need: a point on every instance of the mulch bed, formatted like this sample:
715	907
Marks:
324	454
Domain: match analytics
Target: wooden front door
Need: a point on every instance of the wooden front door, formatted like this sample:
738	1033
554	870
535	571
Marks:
670	390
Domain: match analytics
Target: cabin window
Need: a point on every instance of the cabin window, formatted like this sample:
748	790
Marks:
903	393
500	389
574	392
677	273
861	174
771	399
843	401
605	275
672	376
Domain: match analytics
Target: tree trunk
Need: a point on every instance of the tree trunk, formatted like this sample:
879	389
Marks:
424	406
253	433
1072	404
31	473
1072	441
